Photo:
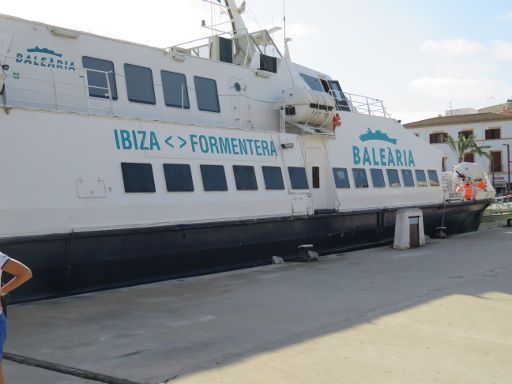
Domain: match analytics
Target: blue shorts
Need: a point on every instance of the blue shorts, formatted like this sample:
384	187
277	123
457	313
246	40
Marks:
3	334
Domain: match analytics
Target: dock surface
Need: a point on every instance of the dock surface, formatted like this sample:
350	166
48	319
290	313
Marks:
437	314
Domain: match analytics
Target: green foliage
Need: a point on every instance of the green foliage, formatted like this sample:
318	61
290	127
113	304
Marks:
466	145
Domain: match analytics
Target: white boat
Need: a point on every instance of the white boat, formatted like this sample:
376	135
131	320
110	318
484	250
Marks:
123	163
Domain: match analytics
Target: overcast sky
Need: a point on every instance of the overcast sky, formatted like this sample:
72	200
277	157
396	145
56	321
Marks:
420	57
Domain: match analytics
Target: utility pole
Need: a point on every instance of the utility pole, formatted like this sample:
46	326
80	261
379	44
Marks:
508	166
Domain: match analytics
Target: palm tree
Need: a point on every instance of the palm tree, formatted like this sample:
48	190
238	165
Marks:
465	144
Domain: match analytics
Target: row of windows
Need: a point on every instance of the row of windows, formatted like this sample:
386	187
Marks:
138	177
140	87
377	175
442	137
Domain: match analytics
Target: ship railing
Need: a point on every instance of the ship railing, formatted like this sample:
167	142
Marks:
51	93
366	105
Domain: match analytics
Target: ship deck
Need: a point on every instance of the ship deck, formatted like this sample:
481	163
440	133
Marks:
435	314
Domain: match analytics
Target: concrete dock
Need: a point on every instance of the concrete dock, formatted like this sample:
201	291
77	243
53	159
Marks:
438	314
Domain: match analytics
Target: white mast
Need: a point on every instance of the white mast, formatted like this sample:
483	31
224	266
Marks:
244	48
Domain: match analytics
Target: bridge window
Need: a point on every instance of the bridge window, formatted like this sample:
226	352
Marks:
178	178
313	82
421	179
407	177
100	77
139	84
138	177
341	177
175	89
377	178
214	178
393	178
245	178
273	178
433	178
206	94
360	177
298	177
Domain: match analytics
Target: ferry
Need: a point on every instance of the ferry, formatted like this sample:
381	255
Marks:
123	163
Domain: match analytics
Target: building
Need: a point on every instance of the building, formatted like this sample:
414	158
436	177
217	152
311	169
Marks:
492	130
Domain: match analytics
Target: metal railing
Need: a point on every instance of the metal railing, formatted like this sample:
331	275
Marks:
366	105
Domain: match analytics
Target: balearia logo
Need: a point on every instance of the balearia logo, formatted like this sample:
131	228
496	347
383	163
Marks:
46	58
383	156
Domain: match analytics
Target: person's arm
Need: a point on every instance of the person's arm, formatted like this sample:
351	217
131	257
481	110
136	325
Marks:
21	275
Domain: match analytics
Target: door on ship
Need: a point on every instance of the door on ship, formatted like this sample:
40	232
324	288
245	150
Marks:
320	180
241	109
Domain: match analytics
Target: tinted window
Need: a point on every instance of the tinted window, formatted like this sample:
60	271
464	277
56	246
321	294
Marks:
407	177
298	177
178	178
393	178
97	78
341	177
139	84
377	178
312	82
138	177
421	180
360	178
315	172
214	178
175	89
433	178
273	178
245	178
206	93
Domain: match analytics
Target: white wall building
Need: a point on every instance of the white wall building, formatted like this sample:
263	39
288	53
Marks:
491	130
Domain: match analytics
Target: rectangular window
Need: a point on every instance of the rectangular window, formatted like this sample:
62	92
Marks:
206	94
178	178
433	178
393	178
100	77
421	179
313	82
139	84
492	133
298	177
466	134
315	172
341	177
138	177
407	178
268	63
437	138
360	177
469	157
245	178
377	178
273	178
496	165
175	89
214	178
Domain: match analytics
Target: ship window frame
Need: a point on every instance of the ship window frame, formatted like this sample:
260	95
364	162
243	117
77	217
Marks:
341	183
406	180
393	183
357	173
273	182
310	81
421	183
138	177
209	171
178	177
111	77
169	91
377	173
298	178
245	178
200	94
130	84
433	183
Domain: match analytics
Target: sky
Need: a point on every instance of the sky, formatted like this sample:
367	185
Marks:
420	57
